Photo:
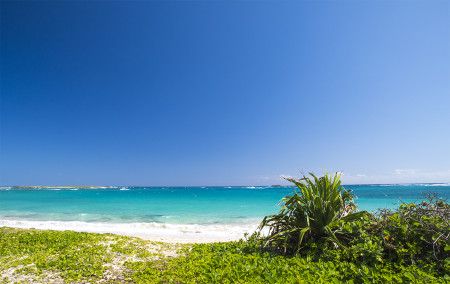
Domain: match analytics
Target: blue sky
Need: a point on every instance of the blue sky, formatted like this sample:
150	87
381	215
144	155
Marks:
218	93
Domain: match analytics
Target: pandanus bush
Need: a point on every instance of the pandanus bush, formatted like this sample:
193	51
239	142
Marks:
315	212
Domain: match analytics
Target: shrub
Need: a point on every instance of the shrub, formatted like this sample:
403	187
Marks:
362	247
416	233
314	213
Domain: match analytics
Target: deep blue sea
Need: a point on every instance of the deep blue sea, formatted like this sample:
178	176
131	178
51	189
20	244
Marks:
179	214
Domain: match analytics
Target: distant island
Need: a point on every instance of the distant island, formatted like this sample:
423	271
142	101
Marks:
57	186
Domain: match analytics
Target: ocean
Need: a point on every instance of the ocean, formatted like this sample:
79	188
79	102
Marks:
175	213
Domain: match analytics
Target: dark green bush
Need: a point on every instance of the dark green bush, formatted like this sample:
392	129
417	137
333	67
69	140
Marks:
416	233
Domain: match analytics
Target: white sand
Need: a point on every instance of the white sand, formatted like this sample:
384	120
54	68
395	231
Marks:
171	233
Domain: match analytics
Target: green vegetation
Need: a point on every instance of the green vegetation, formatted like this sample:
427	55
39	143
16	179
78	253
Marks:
314	213
241	262
319	222
317	237
33	256
36	256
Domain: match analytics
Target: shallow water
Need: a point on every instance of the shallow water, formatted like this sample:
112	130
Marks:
180	205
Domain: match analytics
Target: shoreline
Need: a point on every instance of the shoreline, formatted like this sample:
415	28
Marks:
160	232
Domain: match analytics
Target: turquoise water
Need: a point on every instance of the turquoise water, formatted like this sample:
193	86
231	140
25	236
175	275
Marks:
180	205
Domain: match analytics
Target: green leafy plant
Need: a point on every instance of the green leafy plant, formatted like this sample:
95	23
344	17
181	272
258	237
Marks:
315	212
416	233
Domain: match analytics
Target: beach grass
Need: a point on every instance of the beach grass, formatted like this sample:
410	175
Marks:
44	256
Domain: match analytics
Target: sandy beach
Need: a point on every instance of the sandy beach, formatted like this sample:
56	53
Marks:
169	233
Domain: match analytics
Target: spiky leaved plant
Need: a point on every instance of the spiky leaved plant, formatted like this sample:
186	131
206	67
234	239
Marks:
313	213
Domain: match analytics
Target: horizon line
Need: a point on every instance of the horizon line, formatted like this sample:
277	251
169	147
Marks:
251	185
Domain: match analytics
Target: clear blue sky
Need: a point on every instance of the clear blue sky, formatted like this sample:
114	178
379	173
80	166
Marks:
199	93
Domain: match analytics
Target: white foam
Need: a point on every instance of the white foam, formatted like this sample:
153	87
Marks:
124	188
436	184
413	184
256	187
175	233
